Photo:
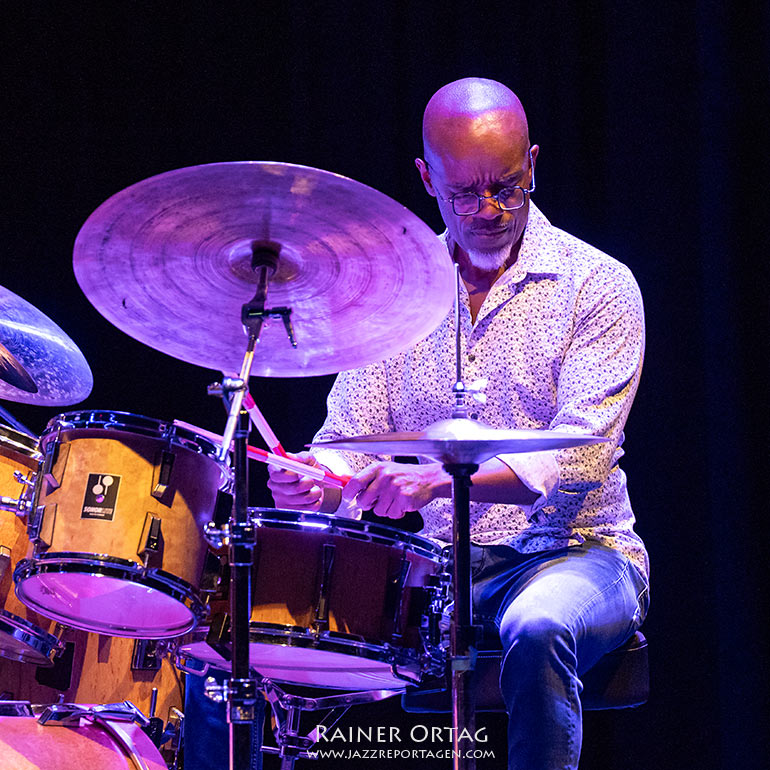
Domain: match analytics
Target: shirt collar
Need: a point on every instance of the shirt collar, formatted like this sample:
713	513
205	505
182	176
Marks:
538	254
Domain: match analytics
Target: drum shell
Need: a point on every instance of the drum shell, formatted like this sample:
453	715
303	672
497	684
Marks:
13	534
25	744
101	673
185	506
366	595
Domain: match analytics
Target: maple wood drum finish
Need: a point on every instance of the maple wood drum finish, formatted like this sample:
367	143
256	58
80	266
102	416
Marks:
118	548
25	744
24	634
336	603
101	672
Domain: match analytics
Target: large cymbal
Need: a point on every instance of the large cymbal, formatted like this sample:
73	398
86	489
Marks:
461	441
39	363
168	261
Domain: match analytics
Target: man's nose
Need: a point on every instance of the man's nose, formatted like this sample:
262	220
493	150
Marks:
489	208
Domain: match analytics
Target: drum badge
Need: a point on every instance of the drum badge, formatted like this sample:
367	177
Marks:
101	496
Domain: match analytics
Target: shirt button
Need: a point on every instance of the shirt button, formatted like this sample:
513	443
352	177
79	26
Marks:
471	357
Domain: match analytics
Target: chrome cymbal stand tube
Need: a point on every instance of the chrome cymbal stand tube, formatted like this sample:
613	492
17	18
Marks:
463	634
240	690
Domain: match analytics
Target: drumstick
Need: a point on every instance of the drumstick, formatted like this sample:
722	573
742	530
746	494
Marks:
317	474
260	423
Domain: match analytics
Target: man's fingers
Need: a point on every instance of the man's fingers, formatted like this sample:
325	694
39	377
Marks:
294	485
359	482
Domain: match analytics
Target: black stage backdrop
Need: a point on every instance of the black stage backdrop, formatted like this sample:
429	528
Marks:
650	119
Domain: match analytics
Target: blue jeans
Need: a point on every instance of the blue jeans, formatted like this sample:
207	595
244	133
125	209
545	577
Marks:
557	613
206	731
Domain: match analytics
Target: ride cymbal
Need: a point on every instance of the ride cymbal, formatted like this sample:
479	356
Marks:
169	261
461	440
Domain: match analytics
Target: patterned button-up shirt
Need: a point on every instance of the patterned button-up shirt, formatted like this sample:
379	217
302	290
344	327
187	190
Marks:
560	339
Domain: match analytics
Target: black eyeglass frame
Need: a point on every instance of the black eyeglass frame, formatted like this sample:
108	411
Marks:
496	196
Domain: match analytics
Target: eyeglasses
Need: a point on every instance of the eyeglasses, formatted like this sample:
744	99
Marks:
511	198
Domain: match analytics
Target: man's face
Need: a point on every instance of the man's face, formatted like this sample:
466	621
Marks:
484	168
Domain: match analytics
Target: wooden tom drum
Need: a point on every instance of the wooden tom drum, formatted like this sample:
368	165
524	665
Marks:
118	545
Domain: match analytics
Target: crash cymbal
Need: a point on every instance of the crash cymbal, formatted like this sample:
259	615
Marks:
168	261
461	440
39	363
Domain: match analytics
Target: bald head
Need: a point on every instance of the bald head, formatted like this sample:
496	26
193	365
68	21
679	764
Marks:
472	114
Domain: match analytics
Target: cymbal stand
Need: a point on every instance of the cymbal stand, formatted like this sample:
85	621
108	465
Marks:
240	690
463	634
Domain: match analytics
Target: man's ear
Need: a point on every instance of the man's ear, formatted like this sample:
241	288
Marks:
422	167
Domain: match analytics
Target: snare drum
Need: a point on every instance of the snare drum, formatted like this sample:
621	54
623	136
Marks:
336	603
23	634
104	744
118	546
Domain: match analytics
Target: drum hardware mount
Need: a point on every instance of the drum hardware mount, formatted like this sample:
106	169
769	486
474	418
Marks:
288	709
70	714
172	738
20	505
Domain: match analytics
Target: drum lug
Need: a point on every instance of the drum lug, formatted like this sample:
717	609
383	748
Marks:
161	477
146	656
394	595
151	539
173	735
321	616
5	560
40	526
55	462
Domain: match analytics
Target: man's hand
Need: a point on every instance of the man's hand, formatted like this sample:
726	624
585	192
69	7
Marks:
391	489
290	490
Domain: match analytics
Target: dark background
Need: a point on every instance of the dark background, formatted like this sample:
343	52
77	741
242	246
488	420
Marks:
652	124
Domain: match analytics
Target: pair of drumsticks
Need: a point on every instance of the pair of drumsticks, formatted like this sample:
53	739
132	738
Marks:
277	455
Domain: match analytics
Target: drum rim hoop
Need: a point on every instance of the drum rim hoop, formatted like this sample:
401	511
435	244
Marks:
133	424
365	531
276	634
41	643
75	562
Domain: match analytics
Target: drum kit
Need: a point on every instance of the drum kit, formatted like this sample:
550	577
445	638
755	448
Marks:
128	550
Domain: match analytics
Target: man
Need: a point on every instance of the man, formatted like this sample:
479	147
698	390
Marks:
557	329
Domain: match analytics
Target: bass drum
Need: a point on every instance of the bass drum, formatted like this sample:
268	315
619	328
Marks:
24	634
105	744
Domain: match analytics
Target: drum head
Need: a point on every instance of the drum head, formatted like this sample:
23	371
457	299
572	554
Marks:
314	667
115	600
302	659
